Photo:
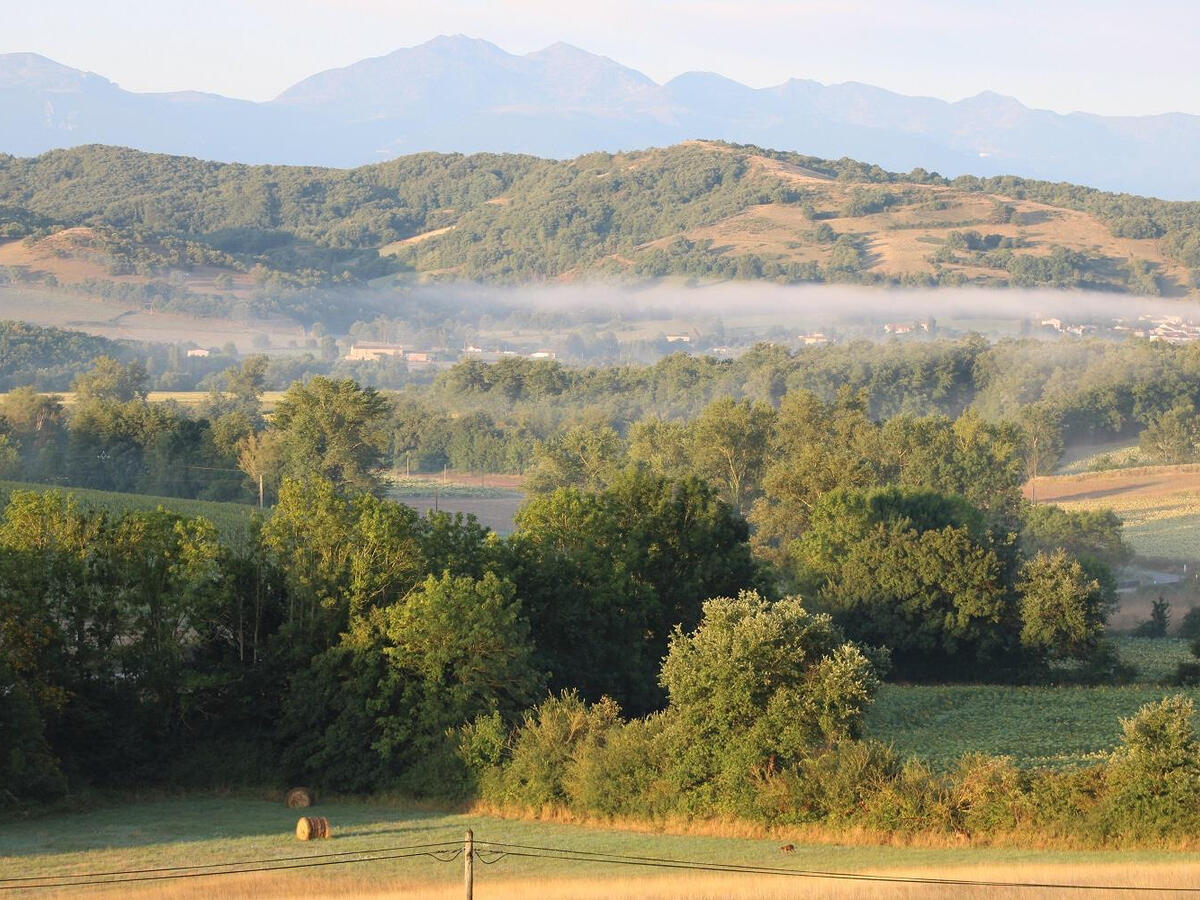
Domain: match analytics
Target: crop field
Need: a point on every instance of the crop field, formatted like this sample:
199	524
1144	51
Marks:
1036	726
205	832
1160	505
231	519
183	398
492	499
1154	658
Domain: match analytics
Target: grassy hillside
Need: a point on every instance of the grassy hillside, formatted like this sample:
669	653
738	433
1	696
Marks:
209	234
232	519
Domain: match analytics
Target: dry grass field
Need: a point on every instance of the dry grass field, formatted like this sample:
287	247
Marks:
1160	505
201	832
72	256
900	239
688	886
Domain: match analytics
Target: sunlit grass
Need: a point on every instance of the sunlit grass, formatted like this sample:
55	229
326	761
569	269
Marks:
1037	726
199	831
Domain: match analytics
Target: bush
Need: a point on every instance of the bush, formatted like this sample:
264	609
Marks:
546	745
1154	779
620	772
1189	625
989	794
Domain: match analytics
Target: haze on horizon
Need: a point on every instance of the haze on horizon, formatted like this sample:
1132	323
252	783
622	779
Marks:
1110	57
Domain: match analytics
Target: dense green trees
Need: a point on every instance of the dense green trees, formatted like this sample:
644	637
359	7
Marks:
375	709
334	429
605	577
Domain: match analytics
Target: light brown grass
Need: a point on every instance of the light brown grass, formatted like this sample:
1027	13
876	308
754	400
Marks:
491	884
818	834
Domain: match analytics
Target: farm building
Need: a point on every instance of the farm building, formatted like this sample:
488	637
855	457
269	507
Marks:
373	350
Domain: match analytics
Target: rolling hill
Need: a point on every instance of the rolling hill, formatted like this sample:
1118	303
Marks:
179	234
458	94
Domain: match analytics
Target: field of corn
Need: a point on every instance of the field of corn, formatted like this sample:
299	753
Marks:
1160	505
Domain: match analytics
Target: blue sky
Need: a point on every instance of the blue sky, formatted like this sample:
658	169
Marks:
1105	56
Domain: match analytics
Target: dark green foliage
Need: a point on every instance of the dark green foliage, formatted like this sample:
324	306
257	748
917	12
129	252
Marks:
1158	623
333	429
374	710
1189	625
913	570
606	576
48	358
29	771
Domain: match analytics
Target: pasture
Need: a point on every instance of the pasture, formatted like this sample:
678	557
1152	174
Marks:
62	308
203	832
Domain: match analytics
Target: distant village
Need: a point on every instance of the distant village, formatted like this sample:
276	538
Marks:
1170	329
377	351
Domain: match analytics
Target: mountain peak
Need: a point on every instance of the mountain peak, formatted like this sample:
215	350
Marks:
992	100
458	43
578	72
33	69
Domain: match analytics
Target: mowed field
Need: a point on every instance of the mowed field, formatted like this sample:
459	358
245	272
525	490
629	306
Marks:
1160	505
206	834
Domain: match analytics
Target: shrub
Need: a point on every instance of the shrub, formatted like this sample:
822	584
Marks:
546	744
1154	778
619	773
989	794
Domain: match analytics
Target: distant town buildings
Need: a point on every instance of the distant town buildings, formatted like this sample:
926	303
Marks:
679	338
906	327
813	339
373	350
199	352
491	356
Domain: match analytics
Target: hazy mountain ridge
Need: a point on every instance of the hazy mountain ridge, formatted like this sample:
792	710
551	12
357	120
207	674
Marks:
458	94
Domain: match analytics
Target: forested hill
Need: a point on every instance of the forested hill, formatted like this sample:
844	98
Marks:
698	210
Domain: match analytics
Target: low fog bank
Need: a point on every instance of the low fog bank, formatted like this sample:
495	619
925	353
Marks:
812	305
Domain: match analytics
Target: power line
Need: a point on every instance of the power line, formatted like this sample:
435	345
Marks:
500	850
169	873
244	862
522	850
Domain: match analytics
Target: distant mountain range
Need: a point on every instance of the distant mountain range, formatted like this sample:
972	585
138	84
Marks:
468	95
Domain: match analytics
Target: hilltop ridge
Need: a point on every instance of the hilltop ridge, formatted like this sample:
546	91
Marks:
110	219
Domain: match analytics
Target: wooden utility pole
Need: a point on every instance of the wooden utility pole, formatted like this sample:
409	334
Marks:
260	490
469	864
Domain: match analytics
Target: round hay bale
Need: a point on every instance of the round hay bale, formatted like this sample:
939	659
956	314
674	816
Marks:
311	828
300	797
